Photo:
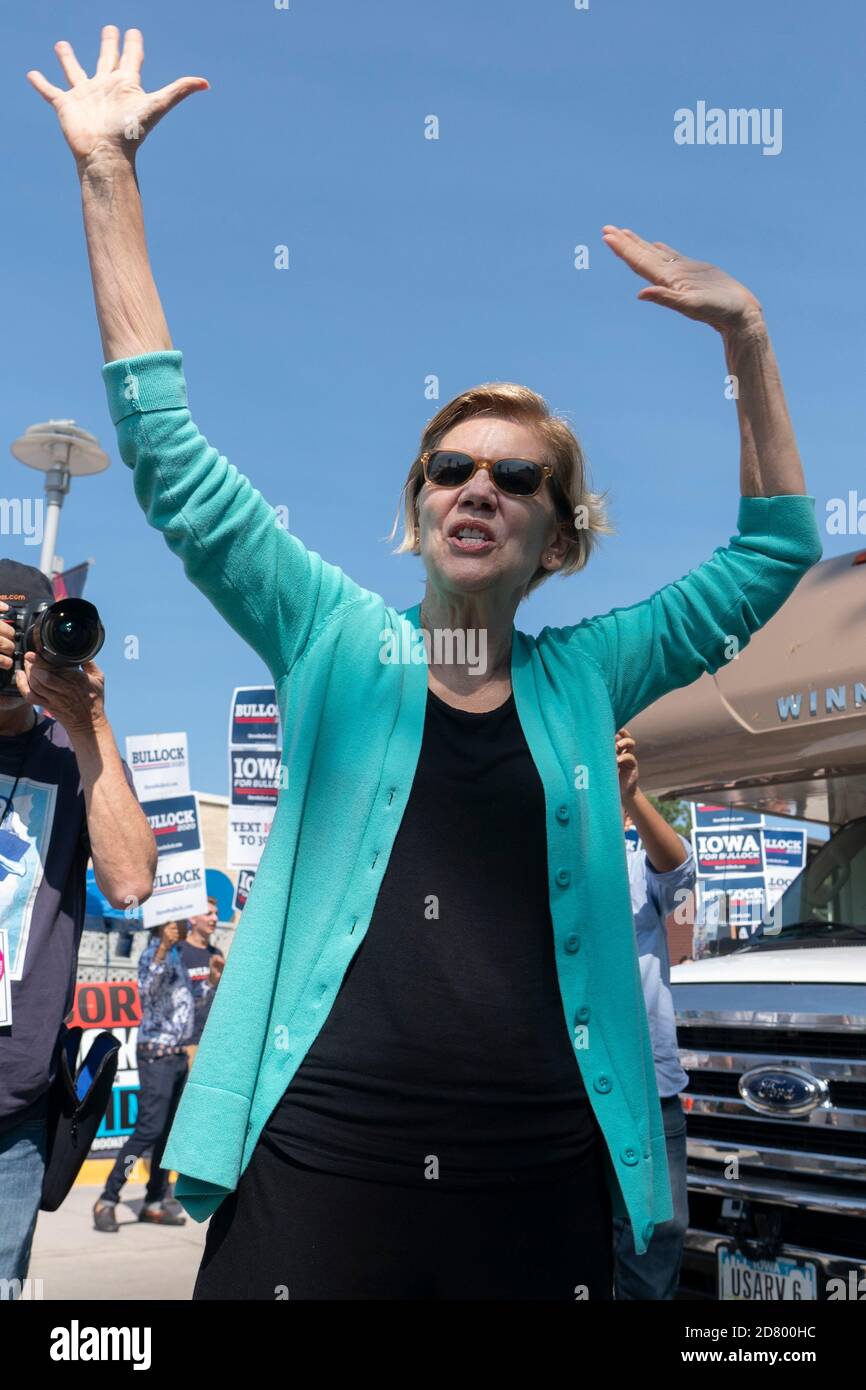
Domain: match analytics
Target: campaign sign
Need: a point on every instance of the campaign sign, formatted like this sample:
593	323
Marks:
705	816
719	853
179	889
785	857
159	764
254	721
248	831
174	822
254	777
242	892
736	903
785	849
113	1005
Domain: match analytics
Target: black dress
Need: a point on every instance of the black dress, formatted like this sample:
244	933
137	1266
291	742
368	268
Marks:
437	1140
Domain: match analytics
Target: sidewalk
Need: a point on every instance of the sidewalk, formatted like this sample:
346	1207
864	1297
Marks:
138	1262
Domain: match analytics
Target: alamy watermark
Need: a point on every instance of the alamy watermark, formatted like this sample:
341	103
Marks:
846	516
86	1343
23	516
445	647
737	126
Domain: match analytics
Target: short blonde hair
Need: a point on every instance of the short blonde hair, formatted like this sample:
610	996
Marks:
581	512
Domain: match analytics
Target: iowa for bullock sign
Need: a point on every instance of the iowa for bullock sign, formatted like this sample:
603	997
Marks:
743	867
723	852
255	776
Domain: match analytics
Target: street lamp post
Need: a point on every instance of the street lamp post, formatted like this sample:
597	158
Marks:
62	451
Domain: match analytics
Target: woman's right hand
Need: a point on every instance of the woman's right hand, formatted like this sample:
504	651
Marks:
109	114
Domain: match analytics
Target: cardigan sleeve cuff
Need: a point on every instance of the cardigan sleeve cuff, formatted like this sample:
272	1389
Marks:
208	1135
788	520
152	381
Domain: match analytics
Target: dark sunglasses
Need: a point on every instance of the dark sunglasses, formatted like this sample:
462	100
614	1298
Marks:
516	477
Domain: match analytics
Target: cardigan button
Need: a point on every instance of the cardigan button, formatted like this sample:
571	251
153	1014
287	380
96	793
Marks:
563	877
648	1231
629	1156
572	943
562	813
582	1015
602	1084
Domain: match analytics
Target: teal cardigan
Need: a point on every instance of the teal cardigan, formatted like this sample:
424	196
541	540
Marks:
352	726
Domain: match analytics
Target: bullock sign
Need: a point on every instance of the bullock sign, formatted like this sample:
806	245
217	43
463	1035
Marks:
255	776
160	772
743	867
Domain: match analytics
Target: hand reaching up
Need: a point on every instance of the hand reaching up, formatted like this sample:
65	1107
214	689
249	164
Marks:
626	761
695	288
110	113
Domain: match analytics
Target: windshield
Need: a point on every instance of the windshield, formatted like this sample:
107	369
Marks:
826	905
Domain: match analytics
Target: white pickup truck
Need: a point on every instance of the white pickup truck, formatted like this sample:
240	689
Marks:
773	1031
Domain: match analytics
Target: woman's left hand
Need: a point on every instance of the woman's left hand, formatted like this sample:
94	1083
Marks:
695	288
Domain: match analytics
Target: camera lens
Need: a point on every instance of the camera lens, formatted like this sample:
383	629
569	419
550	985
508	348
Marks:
70	632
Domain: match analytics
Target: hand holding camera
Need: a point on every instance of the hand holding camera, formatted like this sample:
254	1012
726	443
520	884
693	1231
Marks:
45	655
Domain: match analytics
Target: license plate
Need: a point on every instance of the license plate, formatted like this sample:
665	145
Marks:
764	1281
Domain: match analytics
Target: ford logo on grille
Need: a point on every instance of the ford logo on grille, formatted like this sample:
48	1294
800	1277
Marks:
782	1090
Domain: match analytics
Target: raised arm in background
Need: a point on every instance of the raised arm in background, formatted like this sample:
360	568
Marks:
273	591
664	847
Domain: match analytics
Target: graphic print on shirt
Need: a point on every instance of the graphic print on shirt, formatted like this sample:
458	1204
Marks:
25	835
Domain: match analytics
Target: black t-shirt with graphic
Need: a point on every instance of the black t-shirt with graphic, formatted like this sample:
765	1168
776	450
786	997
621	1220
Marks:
197	960
44	851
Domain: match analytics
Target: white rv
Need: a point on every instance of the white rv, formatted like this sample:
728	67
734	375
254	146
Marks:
773	1033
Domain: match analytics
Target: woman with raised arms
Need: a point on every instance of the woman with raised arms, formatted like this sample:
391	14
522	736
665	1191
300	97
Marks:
427	1071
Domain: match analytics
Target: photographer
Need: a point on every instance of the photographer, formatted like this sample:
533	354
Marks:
66	795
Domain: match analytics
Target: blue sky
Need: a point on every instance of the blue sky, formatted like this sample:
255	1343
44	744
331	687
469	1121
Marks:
410	257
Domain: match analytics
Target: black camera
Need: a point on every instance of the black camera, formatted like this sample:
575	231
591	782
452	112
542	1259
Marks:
65	633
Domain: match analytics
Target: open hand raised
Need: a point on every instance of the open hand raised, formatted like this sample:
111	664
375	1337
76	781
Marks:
695	288
109	113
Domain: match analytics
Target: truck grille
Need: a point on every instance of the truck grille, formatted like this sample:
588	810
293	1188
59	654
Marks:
728	1029
778	1043
749	1137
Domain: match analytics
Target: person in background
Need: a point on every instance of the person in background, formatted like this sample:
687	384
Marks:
215	974
167	1019
200	958
661	869
66	796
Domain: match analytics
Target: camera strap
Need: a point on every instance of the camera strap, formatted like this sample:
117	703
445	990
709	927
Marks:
21	765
